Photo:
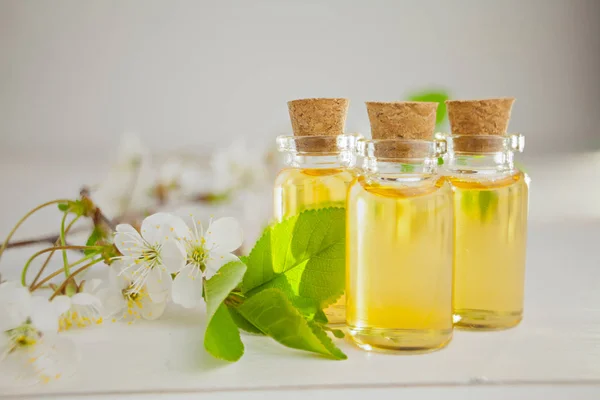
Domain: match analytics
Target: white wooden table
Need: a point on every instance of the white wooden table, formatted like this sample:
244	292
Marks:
554	353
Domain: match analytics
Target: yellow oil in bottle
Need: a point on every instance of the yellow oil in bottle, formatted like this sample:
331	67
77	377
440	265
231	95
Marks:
399	266
489	263
298	189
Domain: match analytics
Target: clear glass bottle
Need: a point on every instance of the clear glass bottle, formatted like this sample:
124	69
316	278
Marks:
490	208
317	174
399	249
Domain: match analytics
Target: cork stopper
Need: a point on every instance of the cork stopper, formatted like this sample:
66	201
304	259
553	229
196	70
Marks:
402	120
318	117
488	117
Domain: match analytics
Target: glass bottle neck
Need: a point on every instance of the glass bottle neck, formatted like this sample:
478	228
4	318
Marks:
319	151
319	161
481	155
401	162
500	162
397	167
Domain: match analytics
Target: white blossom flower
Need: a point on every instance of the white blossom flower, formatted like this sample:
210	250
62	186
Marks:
240	165
151	258
195	181
82	309
207	252
30	349
121	301
126	188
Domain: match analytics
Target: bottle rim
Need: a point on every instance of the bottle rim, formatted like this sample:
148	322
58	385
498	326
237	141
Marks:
318	144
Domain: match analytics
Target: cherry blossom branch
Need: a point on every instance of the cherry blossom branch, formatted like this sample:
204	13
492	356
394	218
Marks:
33	257
59	271
20	222
63	243
56	243
76	272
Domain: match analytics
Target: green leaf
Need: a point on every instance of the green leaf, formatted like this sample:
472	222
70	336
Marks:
242	322
95	236
338	333
63	206
309	308
219	286
320	317
222	338
272	313
303	256
433	96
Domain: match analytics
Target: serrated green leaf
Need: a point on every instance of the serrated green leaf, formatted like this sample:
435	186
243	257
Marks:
338	333
320	333
304	256
242	322
272	313
433	96
320	317
309	308
219	286
222	338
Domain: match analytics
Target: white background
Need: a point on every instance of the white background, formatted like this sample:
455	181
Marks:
75	74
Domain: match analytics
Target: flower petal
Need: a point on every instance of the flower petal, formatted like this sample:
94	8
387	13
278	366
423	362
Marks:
161	226
158	285
113	301
54	357
126	228
44	315
129	243
224	235
117	279
62	304
17	370
151	310
15	305
173	255
216	261
91	285
86	299
187	287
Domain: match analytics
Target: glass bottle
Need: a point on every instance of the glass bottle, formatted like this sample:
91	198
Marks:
490	209
399	249
317	174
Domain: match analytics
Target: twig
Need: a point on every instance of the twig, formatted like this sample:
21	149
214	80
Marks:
77	271
31	212
56	243
33	257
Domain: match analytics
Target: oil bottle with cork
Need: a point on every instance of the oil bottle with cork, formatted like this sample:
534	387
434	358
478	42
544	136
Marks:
490	207
319	165
400	235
